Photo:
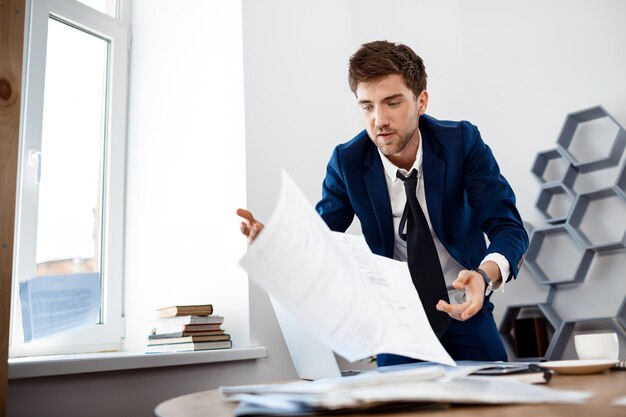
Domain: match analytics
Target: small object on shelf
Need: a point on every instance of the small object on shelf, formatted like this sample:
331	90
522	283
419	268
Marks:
189	347
181	320
185	310
187	328
162	339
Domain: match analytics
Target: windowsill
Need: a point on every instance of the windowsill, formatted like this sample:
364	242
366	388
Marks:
38	366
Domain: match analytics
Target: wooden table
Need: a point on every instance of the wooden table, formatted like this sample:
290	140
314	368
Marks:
606	387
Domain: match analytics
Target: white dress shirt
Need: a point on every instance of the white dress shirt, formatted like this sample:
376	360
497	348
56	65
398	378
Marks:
397	195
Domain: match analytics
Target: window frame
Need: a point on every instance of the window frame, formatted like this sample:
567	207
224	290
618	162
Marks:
110	334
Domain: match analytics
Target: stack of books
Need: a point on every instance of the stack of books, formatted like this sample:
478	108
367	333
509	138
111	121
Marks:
187	328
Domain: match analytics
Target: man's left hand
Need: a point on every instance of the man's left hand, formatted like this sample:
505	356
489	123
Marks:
474	286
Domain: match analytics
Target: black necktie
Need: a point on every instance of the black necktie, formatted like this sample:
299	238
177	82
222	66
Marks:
422	257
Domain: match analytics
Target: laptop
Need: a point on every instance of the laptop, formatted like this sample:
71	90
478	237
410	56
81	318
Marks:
311	358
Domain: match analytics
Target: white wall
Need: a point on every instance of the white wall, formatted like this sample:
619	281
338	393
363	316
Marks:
298	105
294	77
514	68
186	164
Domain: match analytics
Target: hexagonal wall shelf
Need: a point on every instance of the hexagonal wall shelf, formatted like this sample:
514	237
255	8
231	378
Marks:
621	314
600	294
562	344
592	139
599	219
583	198
555	202
554	256
527	331
595	180
620	185
550	166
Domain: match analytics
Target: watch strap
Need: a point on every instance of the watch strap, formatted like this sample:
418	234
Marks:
488	281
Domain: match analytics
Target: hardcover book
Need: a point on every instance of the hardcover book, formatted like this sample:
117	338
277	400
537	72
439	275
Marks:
186	310
190	328
160	339
180	320
185	334
189	347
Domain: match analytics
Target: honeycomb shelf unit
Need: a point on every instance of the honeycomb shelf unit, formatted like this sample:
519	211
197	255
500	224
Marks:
620	184
555	256
555	202
592	139
540	322
602	204
552	167
621	314
562	346
581	226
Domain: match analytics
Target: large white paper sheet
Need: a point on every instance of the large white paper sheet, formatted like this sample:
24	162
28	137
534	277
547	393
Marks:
359	304
418	385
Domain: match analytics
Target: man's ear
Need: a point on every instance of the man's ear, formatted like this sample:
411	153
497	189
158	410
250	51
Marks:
422	102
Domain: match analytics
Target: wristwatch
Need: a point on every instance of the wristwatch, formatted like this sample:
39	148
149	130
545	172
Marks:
488	281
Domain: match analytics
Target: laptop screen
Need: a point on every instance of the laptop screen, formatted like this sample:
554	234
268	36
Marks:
311	358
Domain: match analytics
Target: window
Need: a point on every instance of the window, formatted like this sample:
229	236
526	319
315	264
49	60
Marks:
105	6
72	168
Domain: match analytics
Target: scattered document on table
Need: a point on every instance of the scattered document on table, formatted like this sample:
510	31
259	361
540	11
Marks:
357	303
56	303
420	385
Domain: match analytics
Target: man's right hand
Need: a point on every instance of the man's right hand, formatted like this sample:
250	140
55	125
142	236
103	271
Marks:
250	226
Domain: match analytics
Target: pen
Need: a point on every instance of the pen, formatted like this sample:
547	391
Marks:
451	288
457	295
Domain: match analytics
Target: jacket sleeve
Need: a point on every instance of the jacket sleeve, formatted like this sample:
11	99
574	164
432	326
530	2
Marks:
493	202
335	207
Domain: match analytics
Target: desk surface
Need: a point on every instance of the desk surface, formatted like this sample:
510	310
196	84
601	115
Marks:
606	387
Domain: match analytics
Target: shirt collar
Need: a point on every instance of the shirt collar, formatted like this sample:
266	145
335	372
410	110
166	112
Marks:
391	169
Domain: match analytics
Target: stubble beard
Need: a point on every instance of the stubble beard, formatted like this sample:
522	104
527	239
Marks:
395	147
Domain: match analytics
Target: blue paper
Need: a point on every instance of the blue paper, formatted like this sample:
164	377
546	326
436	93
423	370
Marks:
56	303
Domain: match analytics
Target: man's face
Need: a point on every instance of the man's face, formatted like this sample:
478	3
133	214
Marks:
390	113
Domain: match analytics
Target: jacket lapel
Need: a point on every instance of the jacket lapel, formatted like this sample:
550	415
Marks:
374	179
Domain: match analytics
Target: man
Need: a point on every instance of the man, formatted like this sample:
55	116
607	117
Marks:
405	157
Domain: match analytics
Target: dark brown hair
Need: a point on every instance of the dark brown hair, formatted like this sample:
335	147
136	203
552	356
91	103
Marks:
375	60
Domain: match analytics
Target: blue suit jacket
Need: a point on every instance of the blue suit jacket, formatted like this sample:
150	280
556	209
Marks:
465	193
